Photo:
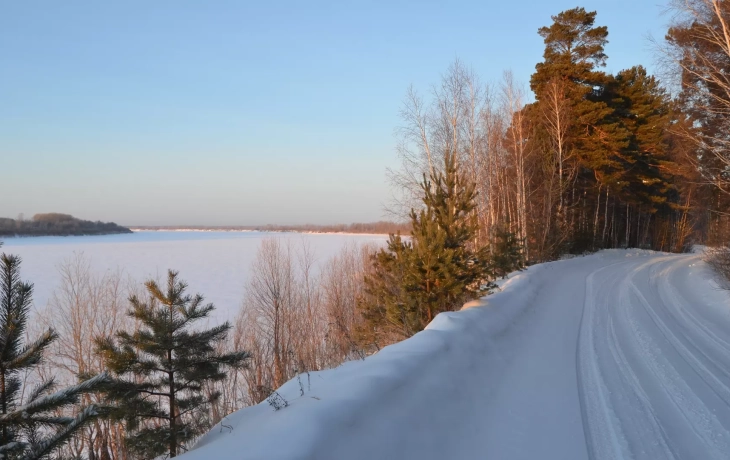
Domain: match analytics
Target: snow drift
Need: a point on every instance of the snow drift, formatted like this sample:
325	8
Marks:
592	357
381	406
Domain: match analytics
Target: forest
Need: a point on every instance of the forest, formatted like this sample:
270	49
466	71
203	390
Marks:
596	160
492	178
56	224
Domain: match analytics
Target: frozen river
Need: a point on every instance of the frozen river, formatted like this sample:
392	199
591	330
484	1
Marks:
214	264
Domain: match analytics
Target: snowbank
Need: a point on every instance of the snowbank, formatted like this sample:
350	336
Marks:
377	397
617	355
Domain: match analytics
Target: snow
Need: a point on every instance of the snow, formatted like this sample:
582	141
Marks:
624	354
214	264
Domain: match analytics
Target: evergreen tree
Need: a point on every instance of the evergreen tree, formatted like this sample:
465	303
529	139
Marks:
162	369
644	108
615	141
574	47
507	253
574	50
31	429
438	269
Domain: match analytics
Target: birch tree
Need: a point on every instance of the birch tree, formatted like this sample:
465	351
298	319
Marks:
698	45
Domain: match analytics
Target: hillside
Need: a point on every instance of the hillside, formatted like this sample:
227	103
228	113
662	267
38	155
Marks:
55	224
618	355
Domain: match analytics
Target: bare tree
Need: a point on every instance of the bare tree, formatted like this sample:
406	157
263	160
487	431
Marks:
719	259
297	316
698	52
517	135
343	283
447	122
84	306
556	118
310	325
281	321
414	152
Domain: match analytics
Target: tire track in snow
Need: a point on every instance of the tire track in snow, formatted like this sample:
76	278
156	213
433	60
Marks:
603	435
681	408
636	401
693	357
646	415
683	314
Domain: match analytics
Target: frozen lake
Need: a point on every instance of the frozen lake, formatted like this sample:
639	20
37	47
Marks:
214	264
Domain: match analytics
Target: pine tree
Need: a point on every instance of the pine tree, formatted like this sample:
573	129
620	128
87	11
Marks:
162	369
507	253
574	47
31	429
644	108
574	51
438	269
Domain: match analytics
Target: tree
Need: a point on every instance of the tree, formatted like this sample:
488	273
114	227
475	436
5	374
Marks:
161	369
343	283
568	77
555	108
438	269
85	305
697	57
31	429
698	46
645	111
507	253
573	48
604	142
515	138
281	319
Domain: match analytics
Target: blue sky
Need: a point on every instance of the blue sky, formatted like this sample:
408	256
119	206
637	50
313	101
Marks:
241	112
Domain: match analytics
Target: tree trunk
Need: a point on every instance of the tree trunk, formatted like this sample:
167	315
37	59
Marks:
173	409
4	401
595	220
605	221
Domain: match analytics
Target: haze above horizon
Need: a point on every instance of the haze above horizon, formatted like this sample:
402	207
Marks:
243	113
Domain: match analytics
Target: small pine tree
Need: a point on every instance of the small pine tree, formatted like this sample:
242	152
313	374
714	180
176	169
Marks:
507	253
388	309
31	429
162	369
437	270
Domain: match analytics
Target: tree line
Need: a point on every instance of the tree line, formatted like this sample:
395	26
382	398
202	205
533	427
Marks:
381	227
489	183
596	160
55	224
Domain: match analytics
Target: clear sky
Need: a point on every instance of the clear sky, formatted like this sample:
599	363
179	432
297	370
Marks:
244	112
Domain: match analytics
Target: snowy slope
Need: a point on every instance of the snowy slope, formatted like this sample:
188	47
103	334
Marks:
618	355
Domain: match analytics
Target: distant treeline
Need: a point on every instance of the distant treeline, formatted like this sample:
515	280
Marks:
370	227
55	224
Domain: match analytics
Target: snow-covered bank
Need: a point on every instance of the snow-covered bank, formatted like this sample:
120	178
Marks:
567	362
383	404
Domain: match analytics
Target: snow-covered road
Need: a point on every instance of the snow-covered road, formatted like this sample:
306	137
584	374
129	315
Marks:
618	355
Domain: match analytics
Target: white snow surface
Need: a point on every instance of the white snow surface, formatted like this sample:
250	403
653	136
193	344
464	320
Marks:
624	354
213	263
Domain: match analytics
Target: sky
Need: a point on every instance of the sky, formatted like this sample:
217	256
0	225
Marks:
219	112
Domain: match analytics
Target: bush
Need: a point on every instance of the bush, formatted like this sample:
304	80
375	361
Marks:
719	260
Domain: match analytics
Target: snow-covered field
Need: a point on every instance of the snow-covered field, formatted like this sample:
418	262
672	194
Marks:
213	263
618	355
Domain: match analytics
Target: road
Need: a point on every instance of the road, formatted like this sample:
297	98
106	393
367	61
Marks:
626	358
